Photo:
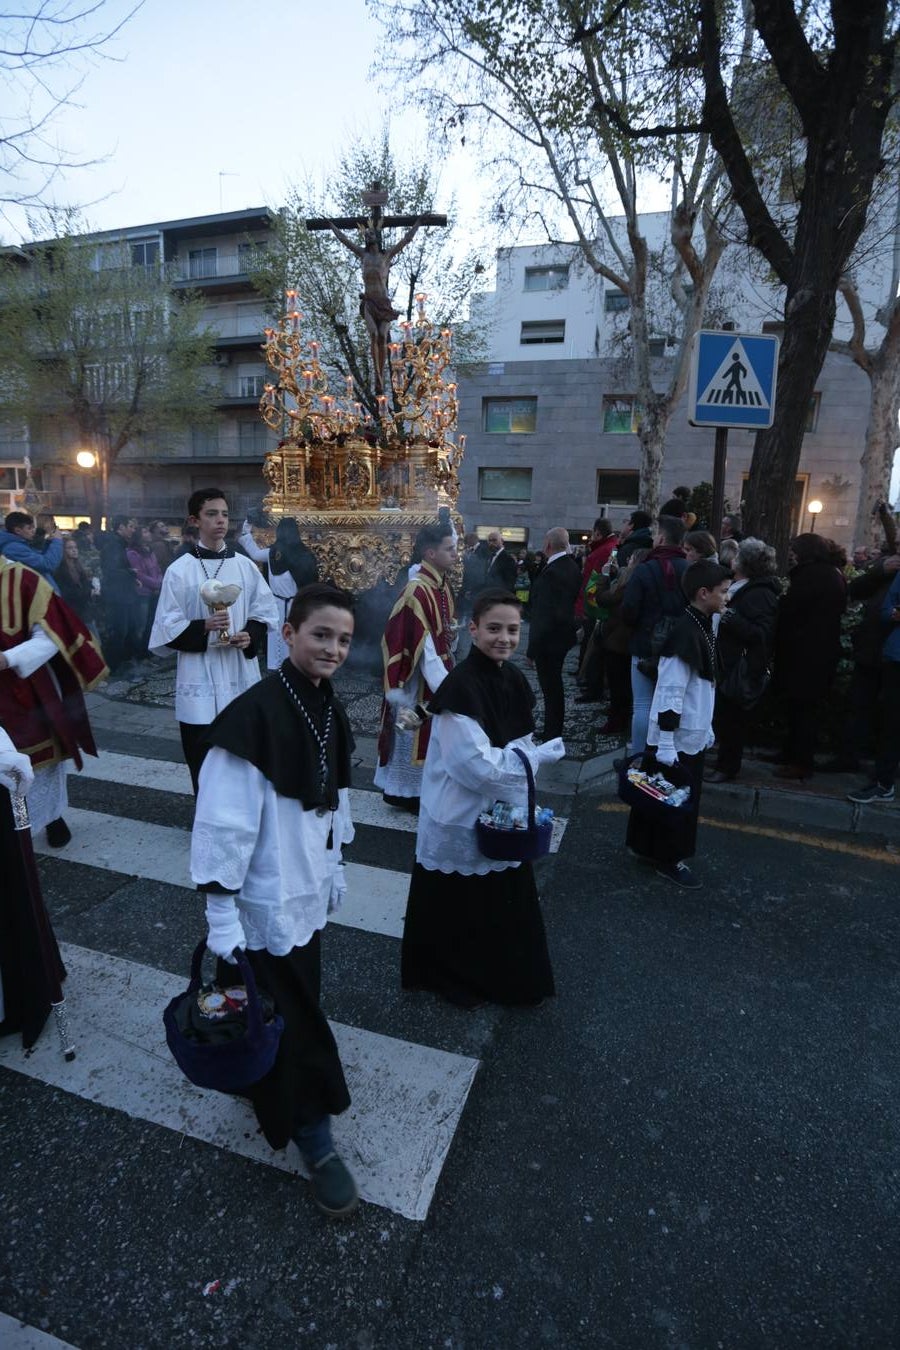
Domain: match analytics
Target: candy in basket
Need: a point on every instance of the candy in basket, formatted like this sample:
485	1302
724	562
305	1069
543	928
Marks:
657	787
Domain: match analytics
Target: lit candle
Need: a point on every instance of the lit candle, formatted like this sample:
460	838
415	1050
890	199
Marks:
307	377
295	320
314	348
349	383
462	442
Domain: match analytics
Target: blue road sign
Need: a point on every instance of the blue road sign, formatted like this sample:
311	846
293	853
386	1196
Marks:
732	380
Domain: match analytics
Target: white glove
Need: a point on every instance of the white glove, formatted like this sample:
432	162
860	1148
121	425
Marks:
549	752
16	773
665	751
338	889
225	931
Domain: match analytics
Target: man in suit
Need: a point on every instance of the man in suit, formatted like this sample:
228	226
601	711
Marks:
552	625
501	568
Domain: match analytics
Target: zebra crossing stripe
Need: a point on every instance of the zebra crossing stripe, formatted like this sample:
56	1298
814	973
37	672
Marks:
406	1098
167	776
376	896
16	1335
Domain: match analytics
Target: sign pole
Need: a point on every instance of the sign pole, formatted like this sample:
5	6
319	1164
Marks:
718	493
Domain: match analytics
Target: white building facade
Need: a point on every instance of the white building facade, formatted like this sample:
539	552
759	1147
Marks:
550	416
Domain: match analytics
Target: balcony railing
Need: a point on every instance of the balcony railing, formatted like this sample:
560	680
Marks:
244	387
245	325
212	265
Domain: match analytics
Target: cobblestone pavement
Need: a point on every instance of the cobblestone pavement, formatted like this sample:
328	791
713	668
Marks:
360	690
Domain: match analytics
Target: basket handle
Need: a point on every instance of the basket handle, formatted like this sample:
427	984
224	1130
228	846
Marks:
254	1007
529	774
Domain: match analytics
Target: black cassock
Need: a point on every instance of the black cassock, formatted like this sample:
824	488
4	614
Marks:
30	964
479	938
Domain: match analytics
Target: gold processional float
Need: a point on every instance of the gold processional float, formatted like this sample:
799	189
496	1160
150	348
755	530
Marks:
361	487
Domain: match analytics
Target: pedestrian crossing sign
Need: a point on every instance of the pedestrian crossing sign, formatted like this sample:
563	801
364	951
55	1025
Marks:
732	380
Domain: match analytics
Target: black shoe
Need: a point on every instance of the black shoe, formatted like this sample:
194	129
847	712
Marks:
717	776
58	833
410	804
333	1188
872	792
681	874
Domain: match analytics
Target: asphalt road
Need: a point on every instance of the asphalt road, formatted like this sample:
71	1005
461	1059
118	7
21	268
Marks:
694	1145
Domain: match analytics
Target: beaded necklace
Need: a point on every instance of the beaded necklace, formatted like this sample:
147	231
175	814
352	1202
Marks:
219	565
710	639
321	739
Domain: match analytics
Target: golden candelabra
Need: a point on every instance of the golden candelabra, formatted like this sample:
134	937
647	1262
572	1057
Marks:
361	485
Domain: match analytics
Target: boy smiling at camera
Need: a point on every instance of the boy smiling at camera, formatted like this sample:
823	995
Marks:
273	811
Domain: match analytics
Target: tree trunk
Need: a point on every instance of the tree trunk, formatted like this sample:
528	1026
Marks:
776	452
652	436
877	459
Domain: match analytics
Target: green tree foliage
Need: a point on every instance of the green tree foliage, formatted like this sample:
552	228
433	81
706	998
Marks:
97	352
326	276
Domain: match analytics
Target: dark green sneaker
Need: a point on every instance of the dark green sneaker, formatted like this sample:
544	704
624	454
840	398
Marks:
333	1187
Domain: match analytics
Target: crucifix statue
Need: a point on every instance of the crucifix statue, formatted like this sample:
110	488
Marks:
375	306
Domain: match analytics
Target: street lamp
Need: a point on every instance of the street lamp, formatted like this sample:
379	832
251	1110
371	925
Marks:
814	507
86	459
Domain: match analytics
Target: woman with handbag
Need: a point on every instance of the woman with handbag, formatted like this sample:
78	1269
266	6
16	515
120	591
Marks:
474	931
744	650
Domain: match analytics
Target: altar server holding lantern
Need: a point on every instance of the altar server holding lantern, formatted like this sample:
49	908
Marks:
214	610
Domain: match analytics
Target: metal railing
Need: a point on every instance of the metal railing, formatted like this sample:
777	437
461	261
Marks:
213	264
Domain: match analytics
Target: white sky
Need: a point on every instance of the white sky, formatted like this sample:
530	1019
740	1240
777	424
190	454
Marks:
267	94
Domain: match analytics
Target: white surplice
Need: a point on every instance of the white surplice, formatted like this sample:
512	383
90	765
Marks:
206	682
269	850
464	775
283	587
48	796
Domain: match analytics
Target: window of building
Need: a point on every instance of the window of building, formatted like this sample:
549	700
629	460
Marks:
554	278
618	487
145	254
512	416
614	302
546	330
657	346
204	442
202	262
504	485
812	413
618	414
252	437
251	386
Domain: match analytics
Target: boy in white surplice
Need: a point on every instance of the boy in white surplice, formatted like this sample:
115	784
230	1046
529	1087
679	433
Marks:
273	811
210	673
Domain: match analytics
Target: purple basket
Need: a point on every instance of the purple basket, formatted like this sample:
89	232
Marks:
517	845
233	1064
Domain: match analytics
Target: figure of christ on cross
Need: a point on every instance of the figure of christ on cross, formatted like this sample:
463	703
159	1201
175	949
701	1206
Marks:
375	306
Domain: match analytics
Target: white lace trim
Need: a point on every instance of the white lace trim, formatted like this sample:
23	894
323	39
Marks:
216	856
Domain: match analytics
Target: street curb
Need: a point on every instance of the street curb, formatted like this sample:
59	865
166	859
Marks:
764	806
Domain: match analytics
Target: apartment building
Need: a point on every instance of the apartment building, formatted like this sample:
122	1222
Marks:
214	256
550	416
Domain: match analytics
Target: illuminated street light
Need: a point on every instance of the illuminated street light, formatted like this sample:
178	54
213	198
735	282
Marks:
86	459
814	507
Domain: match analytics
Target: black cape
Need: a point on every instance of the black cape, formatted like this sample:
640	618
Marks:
692	639
265	727
496	696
